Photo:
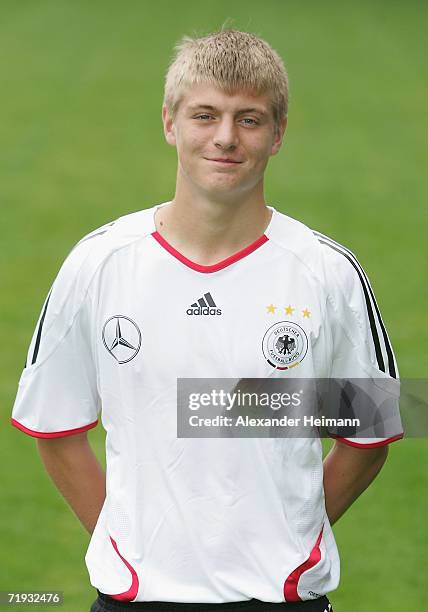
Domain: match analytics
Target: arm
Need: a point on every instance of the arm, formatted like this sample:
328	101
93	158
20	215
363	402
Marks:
348	471
77	474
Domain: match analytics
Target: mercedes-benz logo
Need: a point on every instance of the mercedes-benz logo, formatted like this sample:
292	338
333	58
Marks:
122	338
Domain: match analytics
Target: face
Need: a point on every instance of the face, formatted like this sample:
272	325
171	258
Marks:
223	141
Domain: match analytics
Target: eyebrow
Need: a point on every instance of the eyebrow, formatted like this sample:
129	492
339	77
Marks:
253	109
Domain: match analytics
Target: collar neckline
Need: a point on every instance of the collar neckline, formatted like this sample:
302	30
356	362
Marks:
224	263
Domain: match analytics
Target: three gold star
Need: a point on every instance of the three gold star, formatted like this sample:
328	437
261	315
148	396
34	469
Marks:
289	310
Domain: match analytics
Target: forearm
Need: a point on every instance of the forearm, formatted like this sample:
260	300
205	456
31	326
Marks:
348	472
77	474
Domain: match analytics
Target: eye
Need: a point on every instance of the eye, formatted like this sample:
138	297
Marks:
202	117
252	121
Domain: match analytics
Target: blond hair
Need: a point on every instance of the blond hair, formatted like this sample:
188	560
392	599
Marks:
231	60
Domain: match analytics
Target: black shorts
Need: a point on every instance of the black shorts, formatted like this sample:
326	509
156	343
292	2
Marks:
104	603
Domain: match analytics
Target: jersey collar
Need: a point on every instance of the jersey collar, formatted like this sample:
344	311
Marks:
221	264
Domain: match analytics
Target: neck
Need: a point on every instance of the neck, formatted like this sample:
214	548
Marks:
207	230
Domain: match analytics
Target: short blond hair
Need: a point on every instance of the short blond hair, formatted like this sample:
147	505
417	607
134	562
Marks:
231	60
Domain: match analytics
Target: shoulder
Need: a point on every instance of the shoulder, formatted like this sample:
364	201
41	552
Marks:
334	266
105	240
329	261
87	257
91	251
65	301
343	272
292	235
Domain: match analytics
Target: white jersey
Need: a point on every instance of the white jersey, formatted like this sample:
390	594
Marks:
189	519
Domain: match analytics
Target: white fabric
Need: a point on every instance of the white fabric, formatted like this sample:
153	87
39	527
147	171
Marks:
199	520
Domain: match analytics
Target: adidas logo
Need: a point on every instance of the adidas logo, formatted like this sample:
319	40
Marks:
204	306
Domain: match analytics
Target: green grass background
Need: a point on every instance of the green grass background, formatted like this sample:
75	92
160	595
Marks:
81	144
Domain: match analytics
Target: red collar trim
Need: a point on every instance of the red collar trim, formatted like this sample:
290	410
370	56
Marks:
214	267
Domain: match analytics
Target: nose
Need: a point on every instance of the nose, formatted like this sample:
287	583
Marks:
226	135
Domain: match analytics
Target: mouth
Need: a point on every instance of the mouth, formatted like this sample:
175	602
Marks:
224	161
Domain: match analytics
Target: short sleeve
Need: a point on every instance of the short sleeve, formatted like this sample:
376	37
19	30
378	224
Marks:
363	361
57	392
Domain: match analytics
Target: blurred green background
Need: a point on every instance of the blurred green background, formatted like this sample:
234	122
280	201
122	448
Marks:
81	144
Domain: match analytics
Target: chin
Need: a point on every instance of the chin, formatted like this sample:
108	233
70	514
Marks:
222	181
221	187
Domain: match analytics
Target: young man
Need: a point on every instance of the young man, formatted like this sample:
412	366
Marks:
213	284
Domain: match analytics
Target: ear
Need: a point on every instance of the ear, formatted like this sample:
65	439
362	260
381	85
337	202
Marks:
279	135
168	127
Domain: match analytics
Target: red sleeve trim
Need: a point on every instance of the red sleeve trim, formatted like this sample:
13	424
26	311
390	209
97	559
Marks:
52	434
372	445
